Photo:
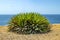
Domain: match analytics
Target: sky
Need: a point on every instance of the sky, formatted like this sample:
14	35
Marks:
40	6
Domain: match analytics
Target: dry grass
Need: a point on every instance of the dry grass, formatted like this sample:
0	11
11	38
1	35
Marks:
53	35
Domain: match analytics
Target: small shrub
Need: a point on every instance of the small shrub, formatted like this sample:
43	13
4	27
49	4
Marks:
27	23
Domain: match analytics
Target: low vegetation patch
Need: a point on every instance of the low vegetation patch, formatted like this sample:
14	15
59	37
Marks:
29	23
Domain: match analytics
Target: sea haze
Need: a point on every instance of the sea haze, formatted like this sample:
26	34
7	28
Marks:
52	18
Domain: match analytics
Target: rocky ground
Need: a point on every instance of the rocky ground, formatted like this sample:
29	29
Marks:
54	34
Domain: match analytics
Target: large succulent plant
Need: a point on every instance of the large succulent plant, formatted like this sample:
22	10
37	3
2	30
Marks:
28	23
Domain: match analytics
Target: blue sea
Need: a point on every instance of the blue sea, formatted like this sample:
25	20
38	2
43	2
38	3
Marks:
53	19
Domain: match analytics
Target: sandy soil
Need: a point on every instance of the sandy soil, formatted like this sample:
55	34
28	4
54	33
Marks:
52	35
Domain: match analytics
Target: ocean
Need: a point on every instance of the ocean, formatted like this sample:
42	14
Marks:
53	19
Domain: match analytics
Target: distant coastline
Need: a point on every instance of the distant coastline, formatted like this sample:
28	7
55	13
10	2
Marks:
53	19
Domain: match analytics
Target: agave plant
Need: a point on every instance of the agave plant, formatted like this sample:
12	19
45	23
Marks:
28	23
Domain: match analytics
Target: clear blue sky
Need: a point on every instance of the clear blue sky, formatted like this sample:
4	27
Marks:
41	6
